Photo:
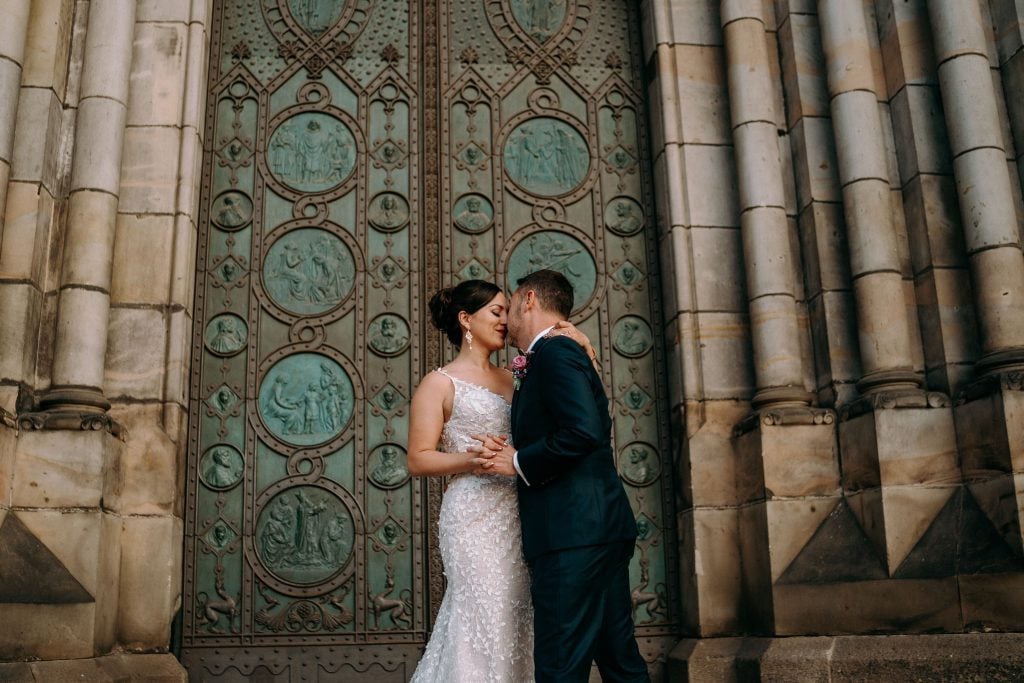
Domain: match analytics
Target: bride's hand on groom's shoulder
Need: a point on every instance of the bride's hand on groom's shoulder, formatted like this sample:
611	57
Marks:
565	328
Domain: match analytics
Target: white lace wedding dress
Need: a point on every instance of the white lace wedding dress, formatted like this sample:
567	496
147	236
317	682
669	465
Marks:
484	629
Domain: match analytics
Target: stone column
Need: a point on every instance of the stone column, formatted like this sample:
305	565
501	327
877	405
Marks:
884	329
13	30
84	301
786	451
982	181
767	249
898	443
989	428
705	311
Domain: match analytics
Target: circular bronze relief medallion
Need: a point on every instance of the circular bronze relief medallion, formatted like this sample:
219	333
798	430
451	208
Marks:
306	399
304	535
546	157
309	271
311	152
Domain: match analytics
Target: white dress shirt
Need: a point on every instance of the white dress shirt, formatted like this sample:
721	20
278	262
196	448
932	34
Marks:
515	456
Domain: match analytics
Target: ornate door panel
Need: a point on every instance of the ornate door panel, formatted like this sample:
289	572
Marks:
303	531
359	154
545	165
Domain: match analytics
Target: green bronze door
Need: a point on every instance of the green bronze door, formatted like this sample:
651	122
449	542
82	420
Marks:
359	155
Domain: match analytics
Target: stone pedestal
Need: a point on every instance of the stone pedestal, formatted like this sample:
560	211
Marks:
990	431
787	480
899	468
60	547
119	668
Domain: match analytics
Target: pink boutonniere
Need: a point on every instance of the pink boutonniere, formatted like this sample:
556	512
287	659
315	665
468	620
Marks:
520	364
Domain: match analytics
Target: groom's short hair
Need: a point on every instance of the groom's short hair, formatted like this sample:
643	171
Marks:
553	290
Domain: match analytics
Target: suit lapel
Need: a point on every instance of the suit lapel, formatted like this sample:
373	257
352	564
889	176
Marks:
517	403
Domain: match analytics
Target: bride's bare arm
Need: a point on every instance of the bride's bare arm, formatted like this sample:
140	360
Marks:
426	420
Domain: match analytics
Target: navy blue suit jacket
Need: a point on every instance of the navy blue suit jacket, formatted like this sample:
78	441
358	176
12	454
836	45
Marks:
562	431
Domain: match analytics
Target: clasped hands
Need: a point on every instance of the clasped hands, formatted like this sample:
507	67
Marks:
493	455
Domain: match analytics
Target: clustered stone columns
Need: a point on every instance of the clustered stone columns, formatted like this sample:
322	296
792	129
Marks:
983	182
13	30
84	300
885	516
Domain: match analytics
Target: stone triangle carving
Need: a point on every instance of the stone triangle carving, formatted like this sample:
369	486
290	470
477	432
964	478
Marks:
838	552
31	573
961	540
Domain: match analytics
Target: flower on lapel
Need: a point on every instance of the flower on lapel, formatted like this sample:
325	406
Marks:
520	364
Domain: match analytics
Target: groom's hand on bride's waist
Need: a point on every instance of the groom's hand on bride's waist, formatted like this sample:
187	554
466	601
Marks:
498	452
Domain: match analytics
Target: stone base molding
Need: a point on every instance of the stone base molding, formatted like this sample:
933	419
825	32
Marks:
70	419
121	668
989	657
1007	362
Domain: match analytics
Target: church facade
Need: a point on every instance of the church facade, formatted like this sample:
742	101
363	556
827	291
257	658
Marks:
794	232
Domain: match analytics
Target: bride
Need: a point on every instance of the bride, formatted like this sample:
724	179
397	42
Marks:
484	629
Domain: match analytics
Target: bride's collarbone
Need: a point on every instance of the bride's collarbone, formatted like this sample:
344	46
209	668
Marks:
496	380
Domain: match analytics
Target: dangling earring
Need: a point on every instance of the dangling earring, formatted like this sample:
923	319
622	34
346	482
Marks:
469	339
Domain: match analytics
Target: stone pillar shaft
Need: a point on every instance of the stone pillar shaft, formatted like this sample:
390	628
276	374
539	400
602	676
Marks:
884	329
767	252
982	180
84	304
14	16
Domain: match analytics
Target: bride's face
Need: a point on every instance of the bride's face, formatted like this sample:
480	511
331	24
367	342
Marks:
490	324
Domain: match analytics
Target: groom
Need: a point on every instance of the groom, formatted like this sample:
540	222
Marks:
578	528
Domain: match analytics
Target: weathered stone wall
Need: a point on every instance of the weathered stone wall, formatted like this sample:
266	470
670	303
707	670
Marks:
841	221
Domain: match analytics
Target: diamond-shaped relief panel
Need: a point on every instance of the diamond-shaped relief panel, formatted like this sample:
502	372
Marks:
388	398
620	158
636	398
646	528
390	271
229	270
390	532
234	151
220	536
389	154
629	274
223	399
474	270
472	155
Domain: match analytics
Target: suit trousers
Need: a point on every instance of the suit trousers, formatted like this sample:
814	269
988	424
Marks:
583	612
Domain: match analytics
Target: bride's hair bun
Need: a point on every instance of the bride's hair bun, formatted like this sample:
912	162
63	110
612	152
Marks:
469	296
440	303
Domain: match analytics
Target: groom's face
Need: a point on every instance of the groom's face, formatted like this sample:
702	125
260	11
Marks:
515	317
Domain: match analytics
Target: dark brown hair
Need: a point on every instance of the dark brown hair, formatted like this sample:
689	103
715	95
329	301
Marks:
553	290
469	296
